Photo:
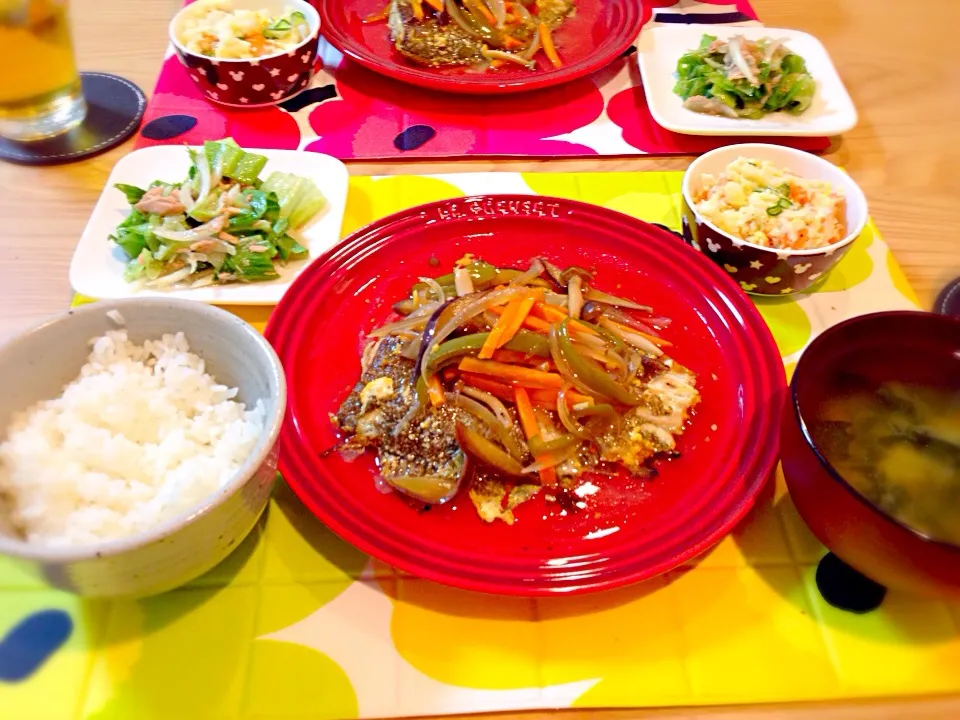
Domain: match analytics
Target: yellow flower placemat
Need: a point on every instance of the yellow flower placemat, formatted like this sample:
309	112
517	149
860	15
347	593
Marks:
297	624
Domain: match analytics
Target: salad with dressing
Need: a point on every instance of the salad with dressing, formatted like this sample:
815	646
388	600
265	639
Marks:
222	224
740	78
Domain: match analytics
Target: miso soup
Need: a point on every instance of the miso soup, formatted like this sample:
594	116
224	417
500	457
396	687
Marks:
898	445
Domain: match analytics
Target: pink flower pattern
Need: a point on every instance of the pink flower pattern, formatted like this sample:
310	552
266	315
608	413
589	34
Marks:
367	116
373	110
176	93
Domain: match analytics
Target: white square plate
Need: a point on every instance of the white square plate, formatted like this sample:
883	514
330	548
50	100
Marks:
97	266
659	49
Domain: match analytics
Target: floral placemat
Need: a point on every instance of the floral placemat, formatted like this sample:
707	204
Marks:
354	114
297	624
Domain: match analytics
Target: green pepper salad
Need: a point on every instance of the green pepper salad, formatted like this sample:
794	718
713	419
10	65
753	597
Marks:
222	224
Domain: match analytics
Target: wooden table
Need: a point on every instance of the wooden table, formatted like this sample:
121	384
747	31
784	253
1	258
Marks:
897	63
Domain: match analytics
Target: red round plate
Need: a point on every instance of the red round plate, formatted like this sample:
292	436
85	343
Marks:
631	529
599	32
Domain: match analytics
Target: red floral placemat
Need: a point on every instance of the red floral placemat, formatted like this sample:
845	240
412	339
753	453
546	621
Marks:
354	114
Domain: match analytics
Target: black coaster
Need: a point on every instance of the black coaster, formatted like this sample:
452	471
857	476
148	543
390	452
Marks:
948	301
114	109
845	588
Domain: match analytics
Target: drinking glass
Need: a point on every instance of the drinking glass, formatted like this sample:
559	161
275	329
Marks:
40	91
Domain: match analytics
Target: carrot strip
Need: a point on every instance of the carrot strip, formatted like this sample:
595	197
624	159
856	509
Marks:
480	382
377	17
546	399
513	325
529	322
531	428
435	390
548	47
511	42
658	341
493	339
551	313
436	5
528	377
555	314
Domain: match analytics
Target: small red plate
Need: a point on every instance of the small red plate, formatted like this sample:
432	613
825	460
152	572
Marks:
630	529
599	32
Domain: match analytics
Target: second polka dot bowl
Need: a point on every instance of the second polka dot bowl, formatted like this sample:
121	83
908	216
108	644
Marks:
254	82
761	270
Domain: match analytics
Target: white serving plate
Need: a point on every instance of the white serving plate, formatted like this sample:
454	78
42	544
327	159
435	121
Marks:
97	266
831	113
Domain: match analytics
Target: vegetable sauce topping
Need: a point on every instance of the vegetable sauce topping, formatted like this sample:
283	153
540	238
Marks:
501	382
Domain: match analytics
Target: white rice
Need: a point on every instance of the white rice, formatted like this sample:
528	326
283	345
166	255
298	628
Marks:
140	436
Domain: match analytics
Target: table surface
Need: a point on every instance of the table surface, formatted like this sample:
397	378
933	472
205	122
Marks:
903	153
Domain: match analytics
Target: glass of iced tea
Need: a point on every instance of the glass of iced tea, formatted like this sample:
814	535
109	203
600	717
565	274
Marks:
40	92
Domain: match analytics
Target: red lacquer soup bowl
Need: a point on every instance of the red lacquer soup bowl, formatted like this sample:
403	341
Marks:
630	529
911	347
596	35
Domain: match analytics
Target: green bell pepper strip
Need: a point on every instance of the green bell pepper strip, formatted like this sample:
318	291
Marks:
481	273
588	372
486	452
540	447
525	342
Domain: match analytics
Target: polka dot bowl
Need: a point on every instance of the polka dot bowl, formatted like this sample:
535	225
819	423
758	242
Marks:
761	270
253	82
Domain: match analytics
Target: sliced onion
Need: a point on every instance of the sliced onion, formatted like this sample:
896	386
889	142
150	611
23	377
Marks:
203	280
628	320
411	322
462	281
507	57
532	49
631	338
522	13
574	296
502	433
534	271
736	47
434	288
607	356
595	295
218	246
171	279
498	10
231	195
552	461
491	401
569	422
590	340
411	348
198	233
185	194
457	16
